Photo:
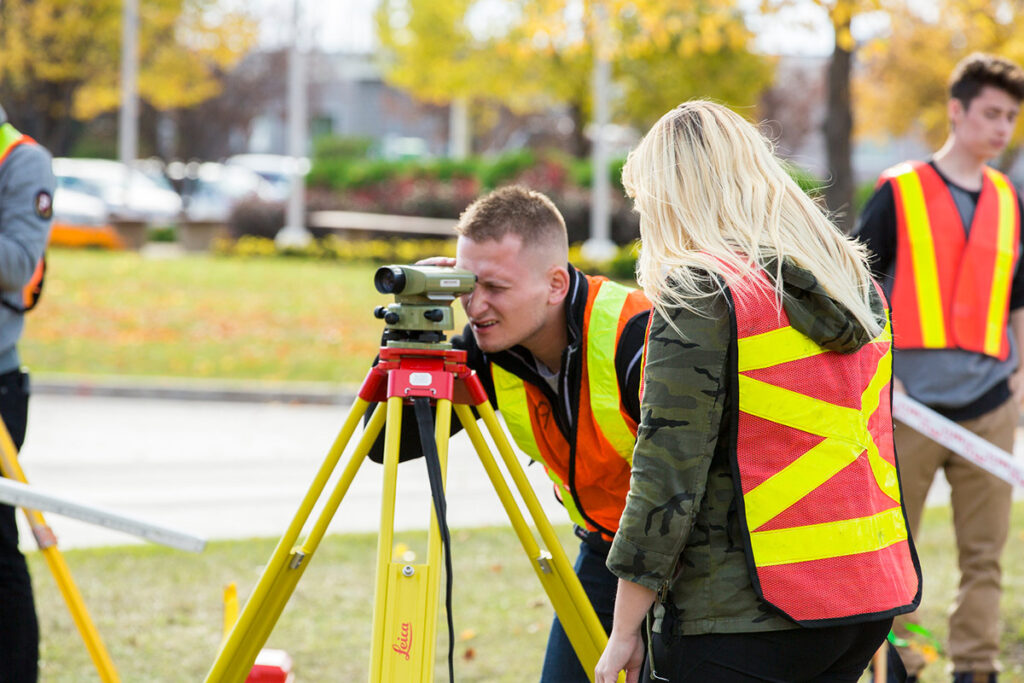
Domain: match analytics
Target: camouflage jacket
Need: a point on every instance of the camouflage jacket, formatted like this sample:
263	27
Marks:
680	531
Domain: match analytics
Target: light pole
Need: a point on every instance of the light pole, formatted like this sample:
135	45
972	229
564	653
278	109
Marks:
600	247
128	122
458	128
294	232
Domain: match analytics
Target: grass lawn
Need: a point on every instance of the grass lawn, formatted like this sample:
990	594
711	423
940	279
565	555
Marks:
159	611
275	319
160	614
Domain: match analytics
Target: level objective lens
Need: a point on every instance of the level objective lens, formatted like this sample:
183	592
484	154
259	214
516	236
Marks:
389	280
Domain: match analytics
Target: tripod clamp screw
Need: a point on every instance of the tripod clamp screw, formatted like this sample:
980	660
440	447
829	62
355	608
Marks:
298	557
408	570
544	561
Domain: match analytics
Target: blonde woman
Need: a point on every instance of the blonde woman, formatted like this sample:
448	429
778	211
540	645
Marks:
764	522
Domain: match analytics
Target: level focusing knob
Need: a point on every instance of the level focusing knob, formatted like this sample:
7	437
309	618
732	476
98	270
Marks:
434	315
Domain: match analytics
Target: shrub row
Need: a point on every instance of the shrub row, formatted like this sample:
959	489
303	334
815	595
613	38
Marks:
337	171
621	266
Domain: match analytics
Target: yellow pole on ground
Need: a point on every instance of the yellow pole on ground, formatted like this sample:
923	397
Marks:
47	542
230	607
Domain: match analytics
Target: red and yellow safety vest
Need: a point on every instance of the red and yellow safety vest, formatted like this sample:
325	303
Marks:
815	465
9	139
591	476
951	289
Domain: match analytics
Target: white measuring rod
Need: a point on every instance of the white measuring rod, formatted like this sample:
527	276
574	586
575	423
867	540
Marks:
23	495
963	442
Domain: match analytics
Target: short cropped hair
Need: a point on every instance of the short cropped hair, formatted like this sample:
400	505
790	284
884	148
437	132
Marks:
517	210
977	70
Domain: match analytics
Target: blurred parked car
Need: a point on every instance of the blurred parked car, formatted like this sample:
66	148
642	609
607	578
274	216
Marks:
275	168
81	219
128	193
210	190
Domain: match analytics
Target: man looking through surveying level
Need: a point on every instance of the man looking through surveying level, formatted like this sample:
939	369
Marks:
945	235
559	354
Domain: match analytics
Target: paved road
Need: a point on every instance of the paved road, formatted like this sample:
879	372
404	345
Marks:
230	469
225	469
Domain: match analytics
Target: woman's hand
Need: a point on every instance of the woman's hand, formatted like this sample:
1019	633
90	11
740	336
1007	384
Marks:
624	652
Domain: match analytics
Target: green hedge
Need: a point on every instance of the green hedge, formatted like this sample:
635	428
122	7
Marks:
443	188
340	172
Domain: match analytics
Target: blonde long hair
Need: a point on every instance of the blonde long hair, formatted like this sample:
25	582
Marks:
714	200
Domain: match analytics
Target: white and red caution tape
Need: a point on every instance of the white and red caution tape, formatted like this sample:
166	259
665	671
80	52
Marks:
961	441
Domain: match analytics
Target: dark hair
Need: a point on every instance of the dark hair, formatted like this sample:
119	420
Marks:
513	209
977	70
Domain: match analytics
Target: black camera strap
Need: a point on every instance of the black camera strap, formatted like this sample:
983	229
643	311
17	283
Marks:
425	422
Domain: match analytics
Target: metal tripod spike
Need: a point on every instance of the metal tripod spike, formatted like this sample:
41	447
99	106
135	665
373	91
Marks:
406	595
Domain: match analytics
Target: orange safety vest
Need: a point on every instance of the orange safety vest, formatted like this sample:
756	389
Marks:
814	462
952	289
33	289
591	475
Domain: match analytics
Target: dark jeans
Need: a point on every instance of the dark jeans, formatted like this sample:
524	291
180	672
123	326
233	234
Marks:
560	662
837	654
19	631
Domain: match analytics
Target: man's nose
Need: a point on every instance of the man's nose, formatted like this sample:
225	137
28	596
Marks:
473	302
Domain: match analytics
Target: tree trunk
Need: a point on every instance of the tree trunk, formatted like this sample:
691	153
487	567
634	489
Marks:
579	142
838	134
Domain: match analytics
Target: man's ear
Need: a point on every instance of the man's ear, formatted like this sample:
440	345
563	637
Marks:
955	111
558	284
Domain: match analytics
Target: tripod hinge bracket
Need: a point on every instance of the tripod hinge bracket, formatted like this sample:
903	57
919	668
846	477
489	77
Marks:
544	561
430	383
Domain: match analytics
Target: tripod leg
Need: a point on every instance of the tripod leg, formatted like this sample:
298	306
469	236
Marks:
563	587
47	542
405	607
442	433
286	565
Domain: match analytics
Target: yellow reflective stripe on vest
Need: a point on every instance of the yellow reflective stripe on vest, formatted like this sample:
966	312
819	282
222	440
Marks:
831	539
774	348
922	252
999	297
601	340
846	435
515	409
8	136
567	500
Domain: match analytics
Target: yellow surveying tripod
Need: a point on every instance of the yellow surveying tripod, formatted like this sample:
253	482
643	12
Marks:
415	366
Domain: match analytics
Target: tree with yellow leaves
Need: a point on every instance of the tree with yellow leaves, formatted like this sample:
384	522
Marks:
903	87
534	54
61	58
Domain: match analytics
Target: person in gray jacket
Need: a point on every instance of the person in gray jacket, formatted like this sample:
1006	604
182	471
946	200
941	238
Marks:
26	207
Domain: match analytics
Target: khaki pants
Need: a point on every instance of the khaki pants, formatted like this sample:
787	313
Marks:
981	519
